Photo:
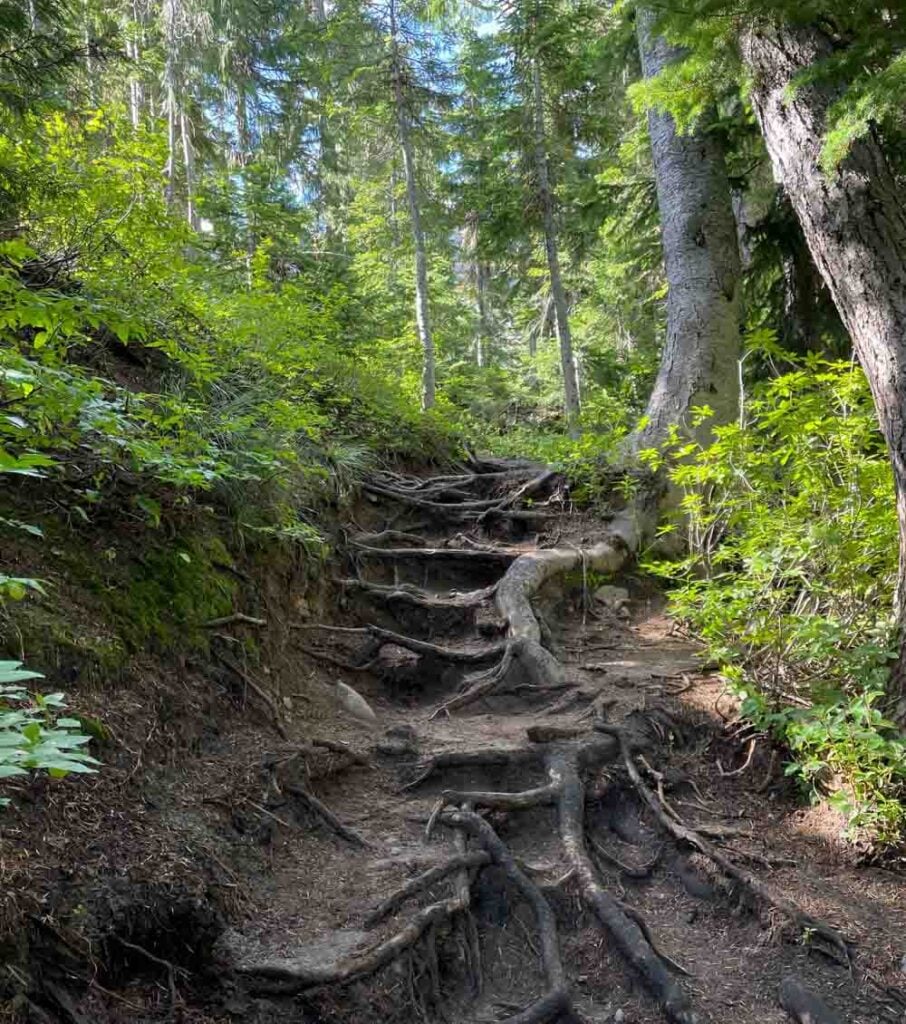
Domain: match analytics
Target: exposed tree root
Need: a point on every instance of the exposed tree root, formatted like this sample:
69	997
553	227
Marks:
529	488
494	757
396	536
571	757
525	665
288	976
236	617
406	497
565	762
258	690
804	1006
461	862
347	666
408	594
555	1002
629	870
805	923
500	555
327	816
631	940
473	656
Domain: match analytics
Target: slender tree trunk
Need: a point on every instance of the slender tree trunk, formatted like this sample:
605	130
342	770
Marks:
171	92
133	52
134	101
483	339
172	135
855	226
188	154
327	149
422	317
699	365
244	144
558	294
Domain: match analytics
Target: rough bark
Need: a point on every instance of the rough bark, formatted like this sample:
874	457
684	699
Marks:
558	293
701	256
422	316
855	226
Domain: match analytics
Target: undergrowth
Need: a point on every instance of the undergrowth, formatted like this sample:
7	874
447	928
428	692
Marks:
792	558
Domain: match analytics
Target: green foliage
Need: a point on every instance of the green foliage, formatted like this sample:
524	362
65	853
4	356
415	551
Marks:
790	573
33	735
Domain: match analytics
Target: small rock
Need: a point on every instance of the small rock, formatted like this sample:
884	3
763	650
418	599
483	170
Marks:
399	741
355	703
402	732
398	664
288	703
614	597
804	1006
619	1017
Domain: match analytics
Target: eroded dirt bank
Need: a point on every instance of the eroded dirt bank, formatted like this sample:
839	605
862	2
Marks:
522	817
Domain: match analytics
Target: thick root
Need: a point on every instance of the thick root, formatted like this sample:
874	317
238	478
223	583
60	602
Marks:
525	663
289	976
556	1000
629	937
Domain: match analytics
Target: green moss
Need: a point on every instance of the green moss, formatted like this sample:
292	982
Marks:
171	592
53	639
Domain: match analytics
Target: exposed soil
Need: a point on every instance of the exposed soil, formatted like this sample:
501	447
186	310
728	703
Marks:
219	890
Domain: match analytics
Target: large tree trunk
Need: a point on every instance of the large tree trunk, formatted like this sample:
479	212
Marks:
699	365
854	223
422	317
558	293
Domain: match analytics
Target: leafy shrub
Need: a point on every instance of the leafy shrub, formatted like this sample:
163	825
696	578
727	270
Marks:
32	737
789	578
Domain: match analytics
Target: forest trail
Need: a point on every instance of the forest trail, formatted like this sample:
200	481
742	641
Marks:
571	830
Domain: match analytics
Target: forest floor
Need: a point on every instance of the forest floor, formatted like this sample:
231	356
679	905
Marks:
659	865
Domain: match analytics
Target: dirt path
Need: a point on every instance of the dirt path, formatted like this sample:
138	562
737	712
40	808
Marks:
631	881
